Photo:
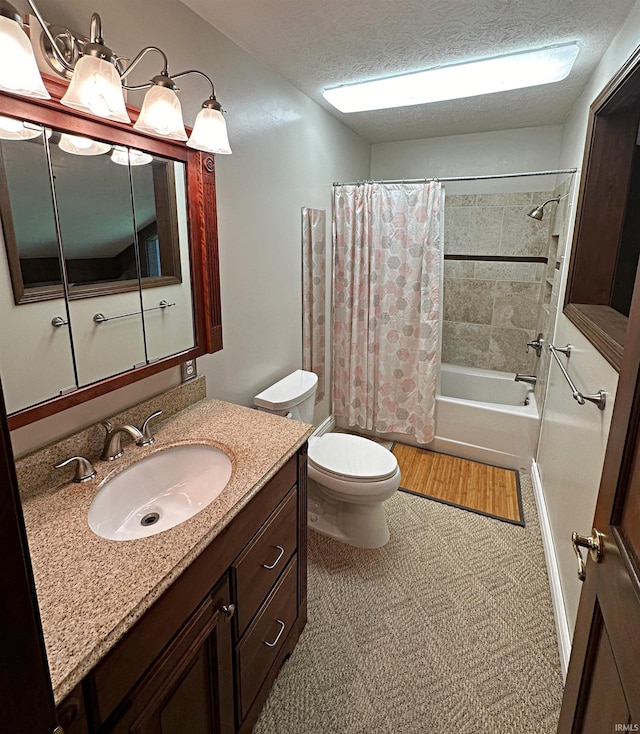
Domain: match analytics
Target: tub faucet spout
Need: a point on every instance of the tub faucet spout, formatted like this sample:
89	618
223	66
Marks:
531	379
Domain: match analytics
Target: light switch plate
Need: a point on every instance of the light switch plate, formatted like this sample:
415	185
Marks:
189	370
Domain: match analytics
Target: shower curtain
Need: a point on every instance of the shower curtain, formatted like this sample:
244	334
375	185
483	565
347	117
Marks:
314	222
388	251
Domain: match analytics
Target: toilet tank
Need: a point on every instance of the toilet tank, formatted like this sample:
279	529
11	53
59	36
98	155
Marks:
294	394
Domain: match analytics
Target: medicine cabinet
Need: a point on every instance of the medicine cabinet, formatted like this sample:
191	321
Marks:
109	260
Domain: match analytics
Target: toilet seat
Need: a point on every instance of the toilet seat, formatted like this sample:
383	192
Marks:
351	458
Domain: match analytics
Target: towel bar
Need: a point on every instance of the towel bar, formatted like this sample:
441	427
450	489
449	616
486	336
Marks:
599	399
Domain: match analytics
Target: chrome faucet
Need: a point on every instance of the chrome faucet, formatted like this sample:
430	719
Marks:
531	379
536	344
112	448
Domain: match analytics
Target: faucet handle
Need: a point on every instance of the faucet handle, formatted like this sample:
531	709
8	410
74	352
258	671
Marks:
84	468
147	436
536	344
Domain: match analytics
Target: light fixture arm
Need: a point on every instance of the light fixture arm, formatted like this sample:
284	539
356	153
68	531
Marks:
212	102
95	29
45	28
138	59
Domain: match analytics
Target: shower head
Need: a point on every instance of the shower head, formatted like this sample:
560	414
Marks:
538	212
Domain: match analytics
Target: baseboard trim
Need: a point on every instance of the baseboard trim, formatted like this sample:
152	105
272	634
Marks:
327	425
557	599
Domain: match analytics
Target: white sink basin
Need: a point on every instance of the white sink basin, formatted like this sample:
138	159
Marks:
159	492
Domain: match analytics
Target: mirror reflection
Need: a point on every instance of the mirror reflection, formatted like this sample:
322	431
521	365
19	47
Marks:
93	200
36	356
26	207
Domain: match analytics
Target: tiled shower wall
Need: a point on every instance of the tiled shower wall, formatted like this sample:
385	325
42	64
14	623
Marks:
557	245
491	308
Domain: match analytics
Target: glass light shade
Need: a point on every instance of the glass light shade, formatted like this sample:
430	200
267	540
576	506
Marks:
130	156
12	129
161	114
18	69
210	132
82	146
498	74
95	88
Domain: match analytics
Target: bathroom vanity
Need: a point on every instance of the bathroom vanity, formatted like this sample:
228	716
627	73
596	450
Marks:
184	631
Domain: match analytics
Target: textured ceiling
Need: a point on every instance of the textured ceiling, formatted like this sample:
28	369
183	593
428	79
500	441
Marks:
316	44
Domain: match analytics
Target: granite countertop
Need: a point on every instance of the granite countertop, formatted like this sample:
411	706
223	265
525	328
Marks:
90	590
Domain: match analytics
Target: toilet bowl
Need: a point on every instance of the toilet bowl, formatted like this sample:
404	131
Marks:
349	476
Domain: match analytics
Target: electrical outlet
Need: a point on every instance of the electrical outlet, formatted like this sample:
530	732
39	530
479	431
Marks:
189	370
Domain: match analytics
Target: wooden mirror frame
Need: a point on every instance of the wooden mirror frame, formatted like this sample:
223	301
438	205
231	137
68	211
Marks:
203	235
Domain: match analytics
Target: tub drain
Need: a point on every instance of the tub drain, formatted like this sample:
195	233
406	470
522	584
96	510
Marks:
150	519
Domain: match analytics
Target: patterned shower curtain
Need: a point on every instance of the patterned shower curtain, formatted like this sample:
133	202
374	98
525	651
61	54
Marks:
314	225
387	328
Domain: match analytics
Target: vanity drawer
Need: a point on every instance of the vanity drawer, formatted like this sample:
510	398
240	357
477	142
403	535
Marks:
256	570
263	640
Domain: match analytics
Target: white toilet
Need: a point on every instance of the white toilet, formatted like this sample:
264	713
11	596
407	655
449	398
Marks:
349	476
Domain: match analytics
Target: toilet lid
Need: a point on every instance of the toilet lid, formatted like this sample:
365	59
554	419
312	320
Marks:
352	456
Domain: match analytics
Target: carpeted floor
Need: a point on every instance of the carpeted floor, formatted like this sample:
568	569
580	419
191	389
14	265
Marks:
448	628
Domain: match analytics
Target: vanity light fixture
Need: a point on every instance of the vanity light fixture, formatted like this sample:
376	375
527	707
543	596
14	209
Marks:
97	81
161	113
128	156
82	146
18	68
484	76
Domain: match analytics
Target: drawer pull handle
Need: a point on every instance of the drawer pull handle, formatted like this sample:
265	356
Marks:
275	563
278	636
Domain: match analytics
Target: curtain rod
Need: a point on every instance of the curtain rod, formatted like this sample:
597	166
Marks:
460	178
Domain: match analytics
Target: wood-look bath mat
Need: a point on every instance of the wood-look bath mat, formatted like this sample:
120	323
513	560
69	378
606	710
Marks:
482	488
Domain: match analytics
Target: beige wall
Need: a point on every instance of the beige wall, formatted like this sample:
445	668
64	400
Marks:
505	151
286	153
573	437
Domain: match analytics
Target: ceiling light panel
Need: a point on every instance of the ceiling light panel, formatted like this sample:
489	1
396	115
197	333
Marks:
497	74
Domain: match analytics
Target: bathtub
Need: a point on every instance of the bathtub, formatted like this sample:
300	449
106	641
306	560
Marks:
486	416
483	415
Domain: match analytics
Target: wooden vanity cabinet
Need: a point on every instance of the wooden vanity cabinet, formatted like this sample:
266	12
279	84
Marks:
203	658
190	687
71	715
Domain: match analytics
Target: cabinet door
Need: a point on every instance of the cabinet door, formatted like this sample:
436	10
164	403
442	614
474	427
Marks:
190	687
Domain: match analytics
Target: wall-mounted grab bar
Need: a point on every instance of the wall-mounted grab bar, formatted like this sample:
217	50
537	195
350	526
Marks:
599	399
100	318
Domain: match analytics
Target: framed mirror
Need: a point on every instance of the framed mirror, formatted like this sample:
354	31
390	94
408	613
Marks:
110	256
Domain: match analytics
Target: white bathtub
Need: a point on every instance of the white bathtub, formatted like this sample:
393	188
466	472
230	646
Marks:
480	415
486	416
